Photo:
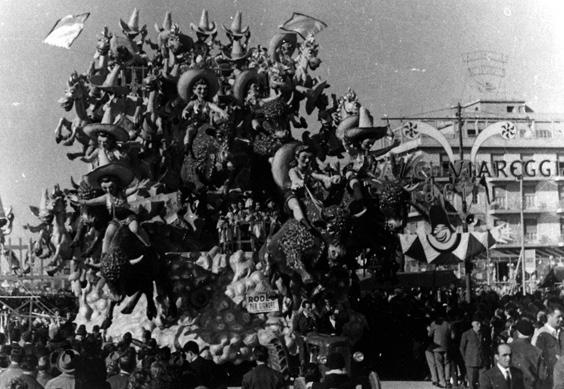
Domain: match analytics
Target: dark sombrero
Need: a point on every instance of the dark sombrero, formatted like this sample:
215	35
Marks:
189	78
313	95
242	83
131	28
107	126
204	27
238	52
277	41
236	30
106	169
365	129
345	125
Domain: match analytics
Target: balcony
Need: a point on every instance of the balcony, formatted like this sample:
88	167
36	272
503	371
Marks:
531	204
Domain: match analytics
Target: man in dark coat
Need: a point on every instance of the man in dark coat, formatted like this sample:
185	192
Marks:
200	371
474	348
527	357
262	376
502	375
126	366
548	339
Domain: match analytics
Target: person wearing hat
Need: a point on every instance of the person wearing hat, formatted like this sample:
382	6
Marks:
114	178
14	370
305	176
262	376
527	357
198	88
236	33
67	363
474	348
203	30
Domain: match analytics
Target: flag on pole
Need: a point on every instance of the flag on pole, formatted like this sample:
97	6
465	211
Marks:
66	30
303	24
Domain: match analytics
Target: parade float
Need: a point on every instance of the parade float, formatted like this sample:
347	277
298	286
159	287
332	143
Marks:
223	185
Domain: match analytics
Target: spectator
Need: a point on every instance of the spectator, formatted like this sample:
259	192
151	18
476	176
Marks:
502	375
67	363
29	367
126	366
14	370
527	357
43	375
548	339
202	371
437	355
262	376
473	347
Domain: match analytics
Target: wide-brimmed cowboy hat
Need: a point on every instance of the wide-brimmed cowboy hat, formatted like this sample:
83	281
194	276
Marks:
346	124
108	126
242	83
236	30
238	52
365	129
204	27
132	26
111	83
189	78
107	169
313	95
67	362
277	41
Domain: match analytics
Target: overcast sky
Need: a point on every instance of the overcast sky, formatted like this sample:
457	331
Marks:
401	57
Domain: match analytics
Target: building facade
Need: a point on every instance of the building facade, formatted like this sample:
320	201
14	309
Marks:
523	169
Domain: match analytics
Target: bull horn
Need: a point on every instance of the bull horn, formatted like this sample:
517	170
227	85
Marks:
135	261
73	183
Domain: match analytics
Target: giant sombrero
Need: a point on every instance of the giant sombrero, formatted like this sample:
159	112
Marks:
204	27
365	129
242	83
107	168
189	78
238	52
235	30
277	41
131	28
108	126
346	124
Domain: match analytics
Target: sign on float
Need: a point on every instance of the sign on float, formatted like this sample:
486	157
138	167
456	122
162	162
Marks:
262	303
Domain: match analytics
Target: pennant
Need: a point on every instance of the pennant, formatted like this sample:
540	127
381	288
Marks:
66	30
303	25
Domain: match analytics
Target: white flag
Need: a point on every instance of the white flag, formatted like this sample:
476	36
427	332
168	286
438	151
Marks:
66	30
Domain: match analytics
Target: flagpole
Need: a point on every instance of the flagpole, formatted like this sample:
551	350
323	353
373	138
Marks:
523	273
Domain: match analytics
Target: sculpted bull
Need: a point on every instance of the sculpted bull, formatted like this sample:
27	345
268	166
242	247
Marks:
129	269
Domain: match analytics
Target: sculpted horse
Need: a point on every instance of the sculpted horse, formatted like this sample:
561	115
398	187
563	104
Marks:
67	132
55	234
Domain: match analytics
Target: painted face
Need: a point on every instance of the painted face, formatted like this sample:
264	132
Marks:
109	184
503	355
304	160
105	140
201	90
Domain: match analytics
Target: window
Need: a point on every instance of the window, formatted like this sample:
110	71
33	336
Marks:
561	227
529	196
510	108
560	191
530	229
445	165
499	165
561	164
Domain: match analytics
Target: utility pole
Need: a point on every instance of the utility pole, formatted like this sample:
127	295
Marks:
467	261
